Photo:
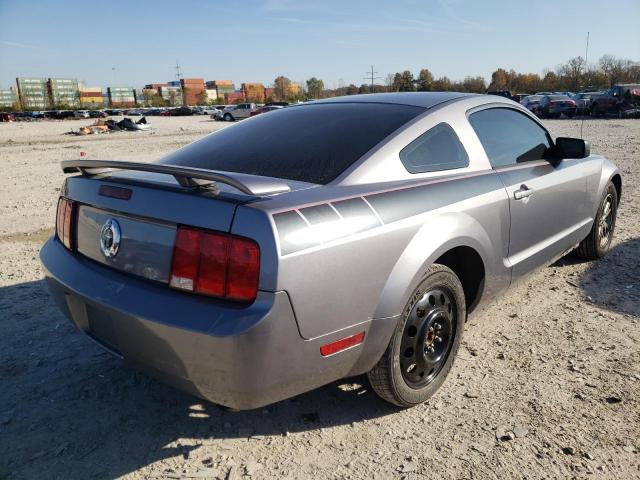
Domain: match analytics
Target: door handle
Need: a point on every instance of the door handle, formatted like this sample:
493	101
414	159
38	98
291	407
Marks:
522	192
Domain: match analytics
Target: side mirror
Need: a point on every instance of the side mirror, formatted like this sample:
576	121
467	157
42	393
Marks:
572	148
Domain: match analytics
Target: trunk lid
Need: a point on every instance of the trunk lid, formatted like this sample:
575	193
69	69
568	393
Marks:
144	209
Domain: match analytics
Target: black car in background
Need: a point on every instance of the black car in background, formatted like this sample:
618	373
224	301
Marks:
531	102
501	93
554	106
181	112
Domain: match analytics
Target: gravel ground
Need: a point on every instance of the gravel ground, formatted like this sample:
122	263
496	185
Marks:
546	384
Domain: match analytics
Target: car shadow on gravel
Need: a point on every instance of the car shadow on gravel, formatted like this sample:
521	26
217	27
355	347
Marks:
74	411
613	281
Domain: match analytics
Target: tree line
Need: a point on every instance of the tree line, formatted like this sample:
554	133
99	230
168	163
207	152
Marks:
573	75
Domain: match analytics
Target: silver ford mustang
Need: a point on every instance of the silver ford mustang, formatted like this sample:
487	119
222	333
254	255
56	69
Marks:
340	237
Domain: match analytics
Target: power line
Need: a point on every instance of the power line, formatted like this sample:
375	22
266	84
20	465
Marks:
370	76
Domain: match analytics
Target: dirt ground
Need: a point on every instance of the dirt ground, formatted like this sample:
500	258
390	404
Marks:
546	384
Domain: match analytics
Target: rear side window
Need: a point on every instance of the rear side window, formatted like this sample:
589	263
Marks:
437	149
509	137
311	143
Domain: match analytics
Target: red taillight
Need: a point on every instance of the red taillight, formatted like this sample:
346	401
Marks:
186	259
214	258
244	267
342	344
65	222
215	264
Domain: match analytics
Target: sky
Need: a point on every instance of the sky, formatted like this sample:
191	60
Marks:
132	43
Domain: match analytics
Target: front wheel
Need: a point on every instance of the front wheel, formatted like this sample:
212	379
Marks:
596	244
227	117
425	342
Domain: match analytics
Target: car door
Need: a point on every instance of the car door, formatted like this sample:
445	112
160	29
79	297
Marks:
242	111
547	198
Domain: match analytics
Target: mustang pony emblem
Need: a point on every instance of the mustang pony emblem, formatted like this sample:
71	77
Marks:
110	238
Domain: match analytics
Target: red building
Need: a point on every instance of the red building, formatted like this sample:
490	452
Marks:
192	90
234	97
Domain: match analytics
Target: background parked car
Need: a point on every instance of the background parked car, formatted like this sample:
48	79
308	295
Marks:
80	114
517	97
238	112
7	117
265	109
621	100
583	101
531	102
553	106
181	112
500	93
63	114
97	114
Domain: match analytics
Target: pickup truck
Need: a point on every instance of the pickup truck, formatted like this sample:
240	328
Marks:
622	100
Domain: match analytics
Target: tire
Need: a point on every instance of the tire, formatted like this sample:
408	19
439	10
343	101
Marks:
423	347
227	117
597	243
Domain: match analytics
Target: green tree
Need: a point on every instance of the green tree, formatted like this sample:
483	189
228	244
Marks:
571	72
474	85
550	81
425	80
442	84
499	80
408	82
315	87
202	98
615	69
282	87
352	89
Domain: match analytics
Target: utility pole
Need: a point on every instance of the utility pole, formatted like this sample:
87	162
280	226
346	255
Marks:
371	76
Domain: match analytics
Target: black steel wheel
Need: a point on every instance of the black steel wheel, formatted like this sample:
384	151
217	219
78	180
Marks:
427	338
422	349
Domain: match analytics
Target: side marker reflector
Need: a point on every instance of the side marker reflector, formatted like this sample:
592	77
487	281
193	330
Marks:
342	344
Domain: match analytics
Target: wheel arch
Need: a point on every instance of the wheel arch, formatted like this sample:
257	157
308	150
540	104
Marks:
452	239
442	239
617	182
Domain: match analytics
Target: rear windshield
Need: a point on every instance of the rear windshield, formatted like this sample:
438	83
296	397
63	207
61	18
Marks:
311	143
559	97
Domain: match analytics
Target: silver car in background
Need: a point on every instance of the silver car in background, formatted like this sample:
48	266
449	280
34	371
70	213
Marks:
333	238
237	112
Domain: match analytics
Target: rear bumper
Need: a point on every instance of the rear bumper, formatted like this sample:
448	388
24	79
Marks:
568	110
240	357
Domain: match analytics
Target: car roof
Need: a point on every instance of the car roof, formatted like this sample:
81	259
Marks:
416	99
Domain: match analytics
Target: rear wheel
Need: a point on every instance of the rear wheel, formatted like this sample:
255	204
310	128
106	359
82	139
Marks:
596	244
424	345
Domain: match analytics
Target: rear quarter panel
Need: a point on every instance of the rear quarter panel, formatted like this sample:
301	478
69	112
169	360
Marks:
341	269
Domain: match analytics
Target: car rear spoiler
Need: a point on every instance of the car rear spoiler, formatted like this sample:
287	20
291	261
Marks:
186	176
